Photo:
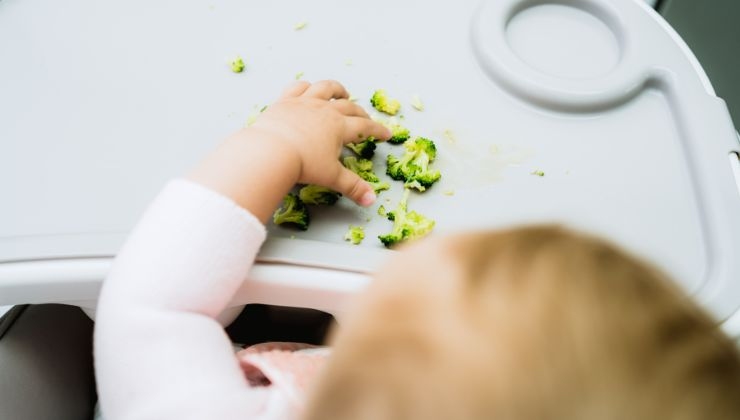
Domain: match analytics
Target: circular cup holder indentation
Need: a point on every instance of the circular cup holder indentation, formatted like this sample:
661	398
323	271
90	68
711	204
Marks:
563	41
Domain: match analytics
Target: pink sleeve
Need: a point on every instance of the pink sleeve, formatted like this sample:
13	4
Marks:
159	353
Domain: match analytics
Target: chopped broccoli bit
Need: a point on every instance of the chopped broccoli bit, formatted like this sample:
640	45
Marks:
538	173
416	103
449	193
413	166
364	149
407	225
300	25
315	194
355	234
352	98
348	62
399	134
364	168
299	75
381	210
292	213
237	65
383	103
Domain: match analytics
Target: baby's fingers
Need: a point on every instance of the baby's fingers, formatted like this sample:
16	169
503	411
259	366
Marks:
327	89
295	89
349	108
351	185
359	128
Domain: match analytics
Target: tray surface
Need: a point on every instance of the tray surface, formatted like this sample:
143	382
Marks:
102	104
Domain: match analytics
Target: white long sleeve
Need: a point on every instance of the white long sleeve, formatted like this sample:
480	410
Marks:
159	353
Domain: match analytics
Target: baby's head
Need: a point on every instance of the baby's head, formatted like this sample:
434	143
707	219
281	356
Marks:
524	324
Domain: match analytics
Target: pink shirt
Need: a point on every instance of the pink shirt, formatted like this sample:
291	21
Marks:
159	352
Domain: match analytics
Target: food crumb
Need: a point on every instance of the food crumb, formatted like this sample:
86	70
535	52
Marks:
352	98
237	64
382	211
416	103
292	236
300	25
449	193
299	75
449	135
348	62
538	173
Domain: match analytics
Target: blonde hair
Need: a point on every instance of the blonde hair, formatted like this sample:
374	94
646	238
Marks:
540	323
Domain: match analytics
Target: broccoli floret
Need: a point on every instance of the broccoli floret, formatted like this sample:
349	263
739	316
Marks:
364	168
315	194
293	213
538	173
355	234
383	103
359	166
407	225
364	149
237	65
399	134
413	166
382	211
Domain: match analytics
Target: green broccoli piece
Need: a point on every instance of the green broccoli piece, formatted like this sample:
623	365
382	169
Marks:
355	234
413	166
292	213
315	194
237	65
364	168
383	103
364	149
399	134
407	225
382	211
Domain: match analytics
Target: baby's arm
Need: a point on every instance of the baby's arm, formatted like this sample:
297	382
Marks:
159	353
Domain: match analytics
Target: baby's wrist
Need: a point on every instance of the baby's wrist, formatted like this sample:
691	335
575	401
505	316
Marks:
253	168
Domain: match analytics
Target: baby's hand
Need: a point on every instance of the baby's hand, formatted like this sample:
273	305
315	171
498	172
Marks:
298	139
315	121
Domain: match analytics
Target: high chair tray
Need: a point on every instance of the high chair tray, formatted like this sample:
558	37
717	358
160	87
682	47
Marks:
102	103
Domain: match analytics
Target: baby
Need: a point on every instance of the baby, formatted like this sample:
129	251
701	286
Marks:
529	323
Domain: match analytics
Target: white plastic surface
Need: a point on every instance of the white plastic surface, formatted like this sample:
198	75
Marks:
102	103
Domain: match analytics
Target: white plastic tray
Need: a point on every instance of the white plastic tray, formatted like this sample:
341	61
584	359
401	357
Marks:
102	103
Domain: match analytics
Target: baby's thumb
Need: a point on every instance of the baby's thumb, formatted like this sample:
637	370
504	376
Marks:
355	188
